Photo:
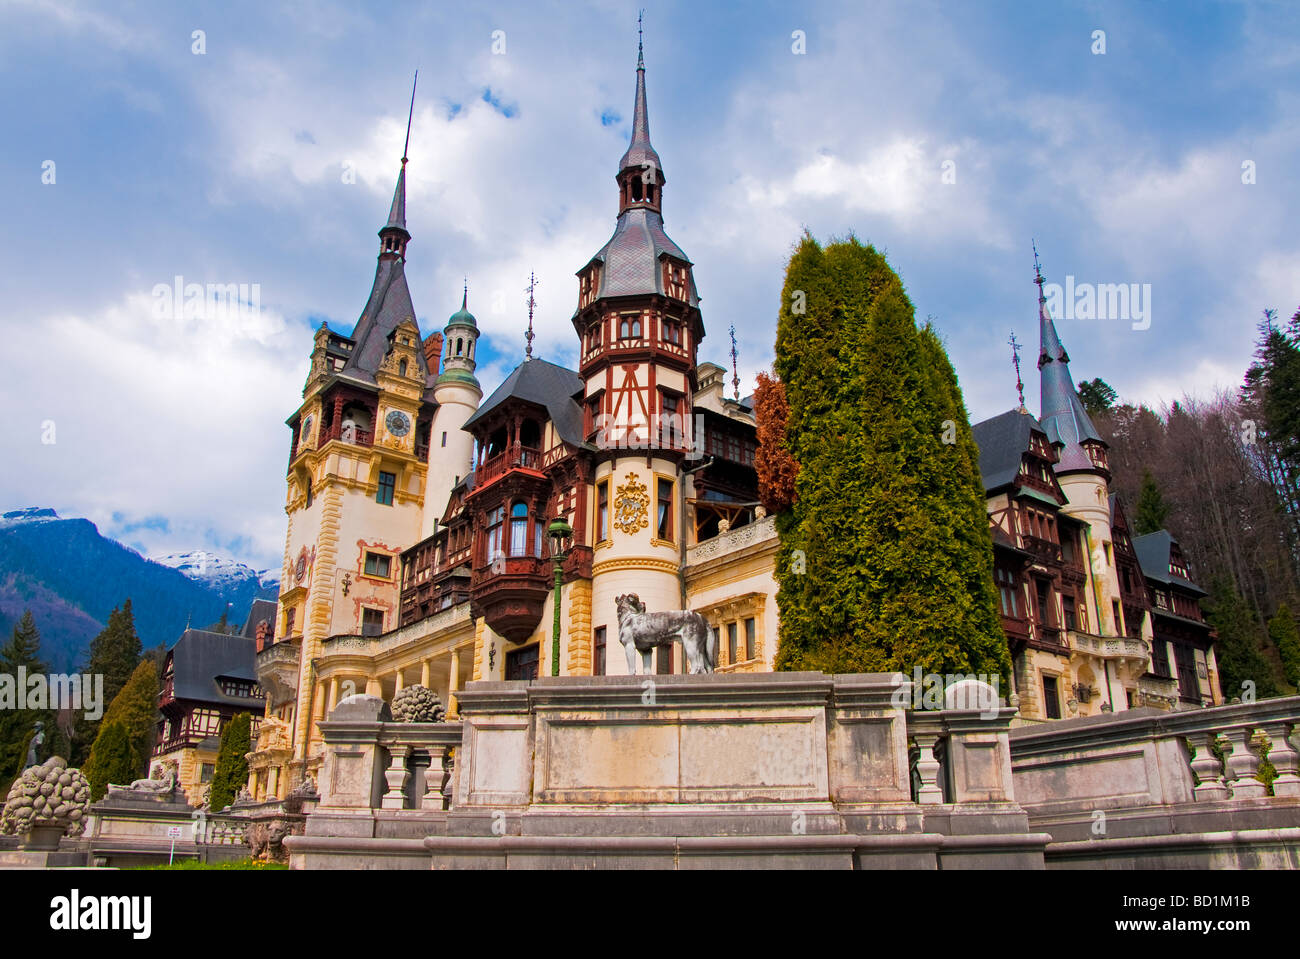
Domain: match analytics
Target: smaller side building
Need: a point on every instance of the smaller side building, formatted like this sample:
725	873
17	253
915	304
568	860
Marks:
1182	646
208	679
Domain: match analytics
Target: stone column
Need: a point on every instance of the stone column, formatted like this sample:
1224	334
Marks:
453	684
424	673
397	776
397	681
1208	769
374	687
1242	764
333	694
273	782
1284	758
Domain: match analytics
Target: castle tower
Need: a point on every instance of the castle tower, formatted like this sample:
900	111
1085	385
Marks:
458	394
356	483
1084	475
639	325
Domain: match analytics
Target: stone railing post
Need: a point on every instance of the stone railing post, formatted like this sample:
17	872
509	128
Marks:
433	779
1242	764
927	767
350	775
1206	766
397	776
1284	758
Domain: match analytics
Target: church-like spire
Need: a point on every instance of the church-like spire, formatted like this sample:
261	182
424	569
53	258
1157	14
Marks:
1063	417
640	174
393	236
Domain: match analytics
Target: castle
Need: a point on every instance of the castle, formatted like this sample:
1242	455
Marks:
431	533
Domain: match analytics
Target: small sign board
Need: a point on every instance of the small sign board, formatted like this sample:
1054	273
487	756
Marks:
173	832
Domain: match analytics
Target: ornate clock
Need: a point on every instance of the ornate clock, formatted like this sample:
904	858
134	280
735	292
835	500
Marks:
300	568
631	503
398	423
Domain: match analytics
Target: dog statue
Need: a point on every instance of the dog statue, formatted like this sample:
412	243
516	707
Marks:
640	631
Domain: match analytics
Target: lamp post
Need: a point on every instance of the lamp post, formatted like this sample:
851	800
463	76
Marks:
559	531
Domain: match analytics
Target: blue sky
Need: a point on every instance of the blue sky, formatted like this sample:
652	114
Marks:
227	167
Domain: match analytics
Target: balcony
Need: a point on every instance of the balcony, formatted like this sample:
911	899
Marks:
354	436
510	594
1043	550
277	670
516	456
1109	647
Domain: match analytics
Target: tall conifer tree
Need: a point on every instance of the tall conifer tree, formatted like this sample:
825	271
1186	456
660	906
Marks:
135	710
231	774
1282	630
17	725
114	653
1151	509
1242	667
885	559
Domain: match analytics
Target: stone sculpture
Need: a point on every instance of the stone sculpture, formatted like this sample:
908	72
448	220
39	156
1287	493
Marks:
640	631
50	794
418	704
265	840
161	784
38	737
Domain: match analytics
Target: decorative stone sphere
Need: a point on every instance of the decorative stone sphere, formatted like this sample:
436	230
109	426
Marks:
48	794
418	704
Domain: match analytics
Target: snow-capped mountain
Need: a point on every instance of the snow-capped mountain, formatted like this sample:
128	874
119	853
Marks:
217	571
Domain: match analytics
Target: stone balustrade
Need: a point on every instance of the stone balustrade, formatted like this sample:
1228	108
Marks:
734	540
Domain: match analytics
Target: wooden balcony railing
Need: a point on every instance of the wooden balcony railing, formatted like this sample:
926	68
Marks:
516	456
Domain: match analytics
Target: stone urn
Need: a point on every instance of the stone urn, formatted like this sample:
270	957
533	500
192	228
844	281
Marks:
43	837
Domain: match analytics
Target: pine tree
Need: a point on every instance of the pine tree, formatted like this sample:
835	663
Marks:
1282	630
1097	396
135	710
886	559
18	725
1151	509
114	654
231	774
1242	667
112	760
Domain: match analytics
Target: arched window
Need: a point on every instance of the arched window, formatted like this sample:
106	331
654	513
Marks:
519	529
460	346
636	329
401	368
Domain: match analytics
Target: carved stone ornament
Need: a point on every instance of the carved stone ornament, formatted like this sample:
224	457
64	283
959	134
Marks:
631	506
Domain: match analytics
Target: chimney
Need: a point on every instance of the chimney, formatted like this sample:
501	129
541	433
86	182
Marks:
433	352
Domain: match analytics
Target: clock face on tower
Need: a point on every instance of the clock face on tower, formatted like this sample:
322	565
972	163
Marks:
397	423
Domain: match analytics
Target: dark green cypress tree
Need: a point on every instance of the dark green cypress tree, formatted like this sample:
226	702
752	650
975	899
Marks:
1282	630
114	654
231	774
1237	651
1151	509
889	525
112	760
17	725
135	710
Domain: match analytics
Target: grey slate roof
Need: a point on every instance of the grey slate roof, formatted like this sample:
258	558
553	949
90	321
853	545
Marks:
261	609
1062	414
1003	440
1153	556
545	384
631	259
199	657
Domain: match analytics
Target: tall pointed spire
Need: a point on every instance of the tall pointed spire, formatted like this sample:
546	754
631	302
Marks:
532	302
1063	417
397	212
640	155
1020	383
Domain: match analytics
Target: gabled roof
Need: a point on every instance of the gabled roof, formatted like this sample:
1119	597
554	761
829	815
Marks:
630	260
1003	441
1154	551
544	384
262	609
200	657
